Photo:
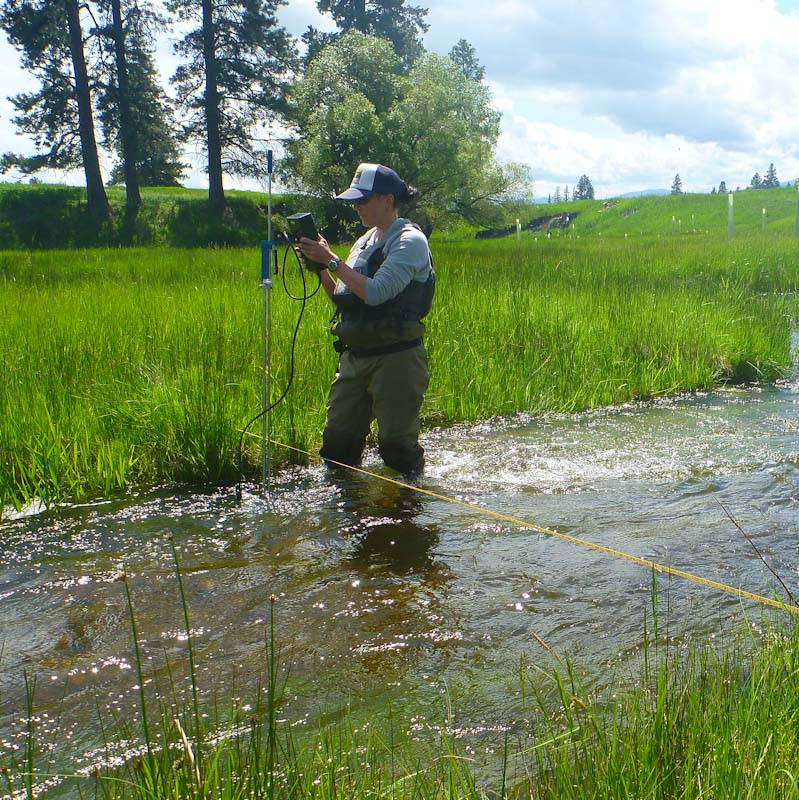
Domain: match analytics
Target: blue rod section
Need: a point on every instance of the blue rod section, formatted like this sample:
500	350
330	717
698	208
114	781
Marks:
266	248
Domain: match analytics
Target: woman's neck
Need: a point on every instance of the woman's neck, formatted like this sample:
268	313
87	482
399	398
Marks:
384	225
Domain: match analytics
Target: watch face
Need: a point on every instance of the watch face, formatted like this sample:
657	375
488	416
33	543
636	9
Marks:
333	265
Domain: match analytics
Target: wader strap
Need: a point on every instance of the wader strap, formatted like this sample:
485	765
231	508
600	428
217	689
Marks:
363	352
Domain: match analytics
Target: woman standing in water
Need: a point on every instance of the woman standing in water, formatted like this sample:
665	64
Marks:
382	291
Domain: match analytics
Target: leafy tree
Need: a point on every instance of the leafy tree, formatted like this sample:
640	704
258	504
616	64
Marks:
770	179
464	56
723	188
756	182
676	186
584	190
136	114
433	125
59	114
401	24
338	110
237	62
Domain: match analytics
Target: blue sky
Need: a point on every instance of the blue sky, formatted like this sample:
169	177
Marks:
629	93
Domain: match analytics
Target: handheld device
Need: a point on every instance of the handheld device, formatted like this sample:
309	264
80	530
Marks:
302	225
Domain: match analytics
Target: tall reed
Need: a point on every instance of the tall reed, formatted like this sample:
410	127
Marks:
705	724
129	367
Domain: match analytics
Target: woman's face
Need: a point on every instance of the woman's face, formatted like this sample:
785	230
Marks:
376	211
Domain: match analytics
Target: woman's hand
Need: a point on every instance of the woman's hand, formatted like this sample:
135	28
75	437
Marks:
318	251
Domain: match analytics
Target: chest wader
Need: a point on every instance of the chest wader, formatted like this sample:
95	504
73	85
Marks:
382	374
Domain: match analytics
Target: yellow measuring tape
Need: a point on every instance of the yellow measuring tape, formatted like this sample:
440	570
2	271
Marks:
644	562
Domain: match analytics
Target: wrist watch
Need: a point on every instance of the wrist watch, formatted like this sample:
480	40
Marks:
334	264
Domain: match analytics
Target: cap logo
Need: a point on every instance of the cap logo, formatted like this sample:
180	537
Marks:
365	177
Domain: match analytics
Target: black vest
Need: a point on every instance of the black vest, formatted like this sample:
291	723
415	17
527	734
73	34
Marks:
396	320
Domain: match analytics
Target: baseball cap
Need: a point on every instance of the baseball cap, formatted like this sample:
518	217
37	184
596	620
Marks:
373	179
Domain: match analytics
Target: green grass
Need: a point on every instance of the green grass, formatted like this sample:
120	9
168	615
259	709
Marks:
556	325
703	723
138	366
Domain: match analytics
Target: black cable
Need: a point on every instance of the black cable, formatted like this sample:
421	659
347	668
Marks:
303	298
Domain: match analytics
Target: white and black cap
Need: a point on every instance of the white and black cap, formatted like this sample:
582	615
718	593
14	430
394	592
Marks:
372	179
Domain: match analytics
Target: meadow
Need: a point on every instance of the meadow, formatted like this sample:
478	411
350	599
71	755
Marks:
141	366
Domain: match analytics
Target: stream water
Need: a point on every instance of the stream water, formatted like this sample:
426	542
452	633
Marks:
389	597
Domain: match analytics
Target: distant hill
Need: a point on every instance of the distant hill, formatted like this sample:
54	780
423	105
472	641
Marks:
646	193
660	213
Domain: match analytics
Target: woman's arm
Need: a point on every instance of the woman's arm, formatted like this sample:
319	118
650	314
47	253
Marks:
319	251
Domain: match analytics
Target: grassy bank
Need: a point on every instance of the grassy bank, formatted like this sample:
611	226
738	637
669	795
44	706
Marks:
139	366
42	216
683	215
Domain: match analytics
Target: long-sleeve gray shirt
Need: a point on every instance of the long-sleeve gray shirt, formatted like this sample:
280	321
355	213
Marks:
406	258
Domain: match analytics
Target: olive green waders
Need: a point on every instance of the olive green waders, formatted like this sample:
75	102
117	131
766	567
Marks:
388	388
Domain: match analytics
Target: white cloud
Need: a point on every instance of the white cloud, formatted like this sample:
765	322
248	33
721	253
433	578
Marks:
632	93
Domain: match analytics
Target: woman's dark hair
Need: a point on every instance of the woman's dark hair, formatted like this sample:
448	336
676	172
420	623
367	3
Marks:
408	194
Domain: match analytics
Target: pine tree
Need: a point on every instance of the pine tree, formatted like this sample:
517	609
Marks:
143	137
59	115
584	190
465	56
676	186
770	179
96	198
128	134
234	78
723	187
756	182
387	19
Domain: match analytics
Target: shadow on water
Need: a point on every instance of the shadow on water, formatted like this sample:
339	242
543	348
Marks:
385	532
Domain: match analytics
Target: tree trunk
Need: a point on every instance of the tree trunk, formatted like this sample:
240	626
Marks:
95	190
127	127
216	192
361	21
